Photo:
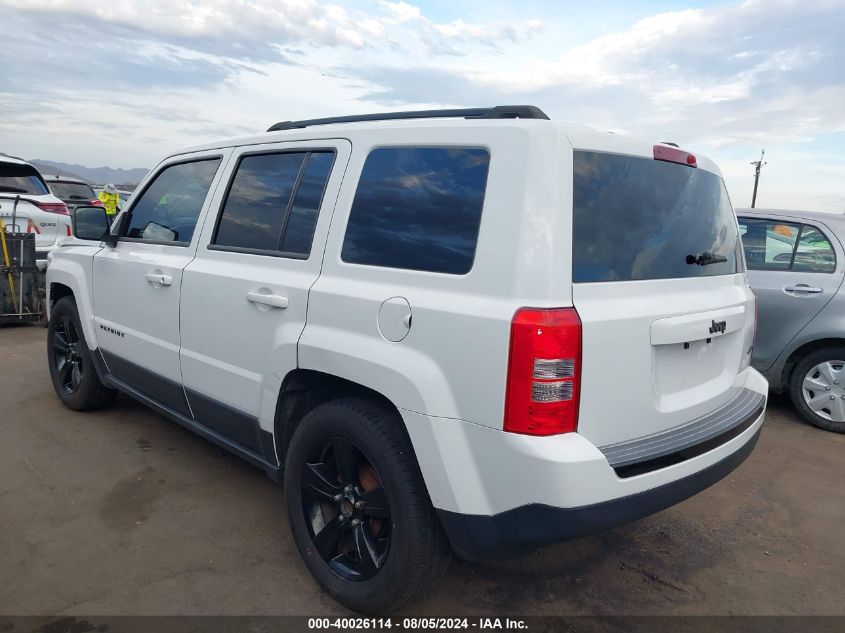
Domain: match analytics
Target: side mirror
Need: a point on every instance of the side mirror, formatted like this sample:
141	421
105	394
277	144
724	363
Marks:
89	223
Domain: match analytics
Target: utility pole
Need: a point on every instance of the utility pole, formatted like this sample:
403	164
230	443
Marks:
758	164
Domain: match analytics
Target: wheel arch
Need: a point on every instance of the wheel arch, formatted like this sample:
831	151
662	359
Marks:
69	276
304	389
59	291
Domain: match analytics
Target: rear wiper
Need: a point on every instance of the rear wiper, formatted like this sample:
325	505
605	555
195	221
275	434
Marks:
706	258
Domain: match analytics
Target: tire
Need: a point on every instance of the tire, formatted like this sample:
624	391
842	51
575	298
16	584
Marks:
72	370
818	380
406	551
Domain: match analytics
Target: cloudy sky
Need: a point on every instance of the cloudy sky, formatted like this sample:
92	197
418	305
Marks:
122	82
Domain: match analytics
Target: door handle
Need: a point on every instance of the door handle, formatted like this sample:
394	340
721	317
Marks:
158	278
274	301
803	288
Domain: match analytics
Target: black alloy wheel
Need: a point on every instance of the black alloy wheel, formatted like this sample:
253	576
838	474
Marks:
72	369
67	357
358	507
347	510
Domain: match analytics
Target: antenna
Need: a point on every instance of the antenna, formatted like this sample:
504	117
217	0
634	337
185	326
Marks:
758	165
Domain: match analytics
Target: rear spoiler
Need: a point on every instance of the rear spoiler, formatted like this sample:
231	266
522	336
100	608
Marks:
17	196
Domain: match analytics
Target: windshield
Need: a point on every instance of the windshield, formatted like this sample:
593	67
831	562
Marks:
72	190
15	178
640	218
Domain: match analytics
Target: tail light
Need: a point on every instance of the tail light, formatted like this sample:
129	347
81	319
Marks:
96	202
544	372
67	229
52	207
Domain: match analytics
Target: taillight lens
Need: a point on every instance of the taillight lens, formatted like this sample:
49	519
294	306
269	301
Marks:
52	207
96	202
544	372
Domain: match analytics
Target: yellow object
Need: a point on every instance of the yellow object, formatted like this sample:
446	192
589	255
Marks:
110	200
786	231
8	264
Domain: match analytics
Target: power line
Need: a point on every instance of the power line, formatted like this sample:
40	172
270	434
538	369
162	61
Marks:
758	165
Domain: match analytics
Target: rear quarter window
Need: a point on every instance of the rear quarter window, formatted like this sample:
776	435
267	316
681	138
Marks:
639	218
418	208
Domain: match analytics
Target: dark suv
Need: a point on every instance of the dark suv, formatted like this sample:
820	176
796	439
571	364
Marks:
72	191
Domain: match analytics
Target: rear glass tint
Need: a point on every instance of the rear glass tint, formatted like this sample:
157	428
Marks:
640	218
255	208
72	191
299	231
418	208
17	178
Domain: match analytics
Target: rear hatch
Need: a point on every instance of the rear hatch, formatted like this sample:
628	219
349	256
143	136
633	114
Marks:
28	218
73	193
21	180
658	283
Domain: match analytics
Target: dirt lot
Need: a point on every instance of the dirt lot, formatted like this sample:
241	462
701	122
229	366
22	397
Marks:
124	512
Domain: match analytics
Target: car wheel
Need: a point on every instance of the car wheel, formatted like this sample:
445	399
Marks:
359	510
71	367
817	388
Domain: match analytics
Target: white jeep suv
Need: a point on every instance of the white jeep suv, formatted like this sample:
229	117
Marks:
27	206
471	331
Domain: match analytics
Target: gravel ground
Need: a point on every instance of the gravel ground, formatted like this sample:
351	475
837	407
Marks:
123	512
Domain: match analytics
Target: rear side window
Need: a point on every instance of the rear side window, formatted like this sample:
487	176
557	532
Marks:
16	178
777	245
768	245
418	208
168	209
273	202
640	218
813	253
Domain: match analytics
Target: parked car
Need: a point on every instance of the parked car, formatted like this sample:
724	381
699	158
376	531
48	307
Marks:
795	266
477	330
25	197
73	191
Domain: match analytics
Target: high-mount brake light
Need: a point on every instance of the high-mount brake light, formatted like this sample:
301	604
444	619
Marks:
674	155
544	372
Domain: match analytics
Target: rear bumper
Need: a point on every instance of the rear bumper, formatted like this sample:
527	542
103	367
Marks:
501	494
518	531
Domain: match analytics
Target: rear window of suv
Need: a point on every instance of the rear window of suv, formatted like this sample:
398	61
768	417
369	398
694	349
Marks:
17	178
418	208
72	190
640	218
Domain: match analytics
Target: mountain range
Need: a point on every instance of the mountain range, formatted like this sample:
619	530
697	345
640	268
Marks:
94	175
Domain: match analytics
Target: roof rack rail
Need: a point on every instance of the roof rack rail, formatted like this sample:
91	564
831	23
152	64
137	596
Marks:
496	112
